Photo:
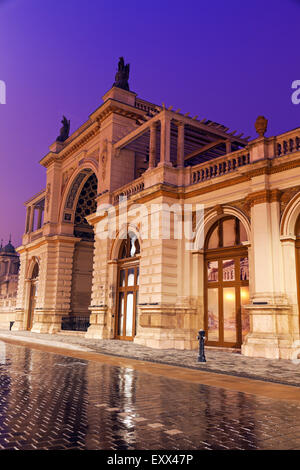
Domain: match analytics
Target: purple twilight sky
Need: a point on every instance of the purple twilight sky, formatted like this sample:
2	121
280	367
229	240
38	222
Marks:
228	61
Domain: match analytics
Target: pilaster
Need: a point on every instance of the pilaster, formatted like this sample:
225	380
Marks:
101	302
165	140
271	311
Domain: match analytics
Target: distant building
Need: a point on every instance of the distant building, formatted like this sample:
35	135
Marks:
9	270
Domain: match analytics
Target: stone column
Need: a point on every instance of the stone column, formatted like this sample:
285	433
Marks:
101	320
39	221
228	146
22	294
270	310
167	318
165	136
180	145
54	283
28	215
53	192
31	218
152	150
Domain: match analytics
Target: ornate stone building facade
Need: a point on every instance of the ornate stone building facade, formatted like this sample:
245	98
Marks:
9	268
240	279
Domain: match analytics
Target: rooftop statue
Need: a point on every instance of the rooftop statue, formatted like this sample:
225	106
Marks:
64	130
122	75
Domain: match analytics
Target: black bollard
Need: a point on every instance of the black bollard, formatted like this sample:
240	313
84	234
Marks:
201	338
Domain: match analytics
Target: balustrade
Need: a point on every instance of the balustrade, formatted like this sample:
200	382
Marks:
219	167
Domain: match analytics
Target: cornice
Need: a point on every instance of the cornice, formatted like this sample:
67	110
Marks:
73	146
263	196
36	197
277	166
47	240
112	106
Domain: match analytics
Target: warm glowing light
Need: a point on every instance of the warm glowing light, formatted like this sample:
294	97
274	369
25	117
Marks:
244	294
229	296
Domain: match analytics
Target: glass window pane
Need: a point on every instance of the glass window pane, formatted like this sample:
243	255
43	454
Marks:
123	251
130	281
136	311
229	314
129	314
212	271
213	314
228	270
244	269
214	239
137	247
243	233
297	227
245	316
121	314
122	278
134	245
137	276
229	232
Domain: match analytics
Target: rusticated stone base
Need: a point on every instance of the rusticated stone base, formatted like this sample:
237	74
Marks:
98	323
5	320
271	332
45	321
167	327
19	324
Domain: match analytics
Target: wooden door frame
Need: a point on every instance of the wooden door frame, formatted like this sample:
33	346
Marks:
297	256
125	264
219	254
33	284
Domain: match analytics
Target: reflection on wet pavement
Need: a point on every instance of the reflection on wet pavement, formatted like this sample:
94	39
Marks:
50	401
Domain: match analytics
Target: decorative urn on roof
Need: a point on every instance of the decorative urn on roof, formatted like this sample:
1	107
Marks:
261	125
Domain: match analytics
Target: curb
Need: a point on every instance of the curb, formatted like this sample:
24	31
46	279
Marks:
64	345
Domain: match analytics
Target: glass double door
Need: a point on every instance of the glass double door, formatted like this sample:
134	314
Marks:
227	291
127	300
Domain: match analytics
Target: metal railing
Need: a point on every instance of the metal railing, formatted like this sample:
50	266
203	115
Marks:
75	323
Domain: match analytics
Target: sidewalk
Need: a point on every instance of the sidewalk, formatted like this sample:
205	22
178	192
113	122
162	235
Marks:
218	361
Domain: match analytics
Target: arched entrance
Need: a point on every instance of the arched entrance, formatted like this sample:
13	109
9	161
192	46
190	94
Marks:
226	283
128	288
81	202
32	295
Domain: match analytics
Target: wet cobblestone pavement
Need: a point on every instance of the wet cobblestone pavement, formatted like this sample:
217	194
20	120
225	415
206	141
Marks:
218	360
49	401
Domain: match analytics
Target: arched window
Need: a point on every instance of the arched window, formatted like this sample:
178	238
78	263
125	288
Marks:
130	247
226	283
32	295
297	227
128	287
16	267
226	232
35	271
86	205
